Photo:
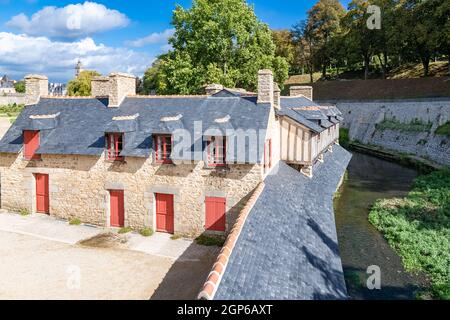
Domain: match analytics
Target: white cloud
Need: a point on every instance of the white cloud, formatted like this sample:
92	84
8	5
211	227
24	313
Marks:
23	54
71	21
154	38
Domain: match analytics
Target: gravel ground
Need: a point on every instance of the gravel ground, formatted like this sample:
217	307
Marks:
34	268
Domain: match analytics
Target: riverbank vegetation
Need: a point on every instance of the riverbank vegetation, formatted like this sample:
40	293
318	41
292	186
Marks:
415	125
444	130
418	228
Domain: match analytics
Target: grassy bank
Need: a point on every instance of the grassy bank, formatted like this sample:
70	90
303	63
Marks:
11	111
418	228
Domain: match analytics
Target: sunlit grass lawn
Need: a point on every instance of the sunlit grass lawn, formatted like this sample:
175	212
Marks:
418	228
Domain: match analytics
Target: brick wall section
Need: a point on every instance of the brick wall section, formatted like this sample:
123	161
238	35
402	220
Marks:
79	188
213	281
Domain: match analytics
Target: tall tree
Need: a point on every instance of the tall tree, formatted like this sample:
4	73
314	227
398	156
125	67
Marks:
285	47
218	41
442	18
359	38
304	41
324	22
424	32
81	86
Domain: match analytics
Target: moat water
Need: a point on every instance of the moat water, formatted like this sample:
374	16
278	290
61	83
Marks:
361	245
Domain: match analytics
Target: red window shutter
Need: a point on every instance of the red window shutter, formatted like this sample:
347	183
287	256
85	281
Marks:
163	149
31	144
217	151
114	146
215	209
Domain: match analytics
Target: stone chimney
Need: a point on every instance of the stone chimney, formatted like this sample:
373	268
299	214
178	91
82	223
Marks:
116	87
276	96
306	91
213	88
265	87
36	86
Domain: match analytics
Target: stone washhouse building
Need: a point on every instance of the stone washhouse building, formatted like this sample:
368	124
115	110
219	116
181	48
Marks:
183	165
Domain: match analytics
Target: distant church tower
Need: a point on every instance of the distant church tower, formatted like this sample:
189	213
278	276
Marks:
78	69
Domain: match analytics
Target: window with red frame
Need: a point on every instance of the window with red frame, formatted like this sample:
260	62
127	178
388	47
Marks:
268	155
31	141
163	148
217	151
114	145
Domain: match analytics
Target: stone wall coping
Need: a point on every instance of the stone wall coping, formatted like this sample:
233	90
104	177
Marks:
431	99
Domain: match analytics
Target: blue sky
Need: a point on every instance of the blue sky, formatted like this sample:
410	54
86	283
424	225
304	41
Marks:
44	36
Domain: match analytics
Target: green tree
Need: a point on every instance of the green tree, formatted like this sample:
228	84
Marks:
424	32
306	47
217	41
324	21
285	48
81	86
20	86
359	38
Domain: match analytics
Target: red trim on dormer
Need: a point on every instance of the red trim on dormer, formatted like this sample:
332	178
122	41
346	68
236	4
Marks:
31	142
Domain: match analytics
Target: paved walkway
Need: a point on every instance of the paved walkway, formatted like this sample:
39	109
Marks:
45	258
46	228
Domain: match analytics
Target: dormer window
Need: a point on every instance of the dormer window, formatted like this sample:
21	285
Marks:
216	151
163	149
31	141
114	144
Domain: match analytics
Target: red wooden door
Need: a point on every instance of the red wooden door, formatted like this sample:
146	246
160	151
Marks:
117	210
215	219
164	213
42	194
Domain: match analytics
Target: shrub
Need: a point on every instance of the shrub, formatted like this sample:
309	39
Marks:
444	130
147	232
344	137
24	212
125	230
415	125
75	222
210	241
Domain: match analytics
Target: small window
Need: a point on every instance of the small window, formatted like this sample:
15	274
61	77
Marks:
114	146
31	141
217	151
163	149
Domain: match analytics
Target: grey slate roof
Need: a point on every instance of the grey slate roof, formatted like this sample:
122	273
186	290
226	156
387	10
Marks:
81	125
288	247
317	119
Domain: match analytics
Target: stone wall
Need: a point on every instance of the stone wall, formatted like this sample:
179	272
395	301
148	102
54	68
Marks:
79	188
361	118
7	99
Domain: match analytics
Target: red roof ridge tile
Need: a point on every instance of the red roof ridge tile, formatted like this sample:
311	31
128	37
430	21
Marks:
215	276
